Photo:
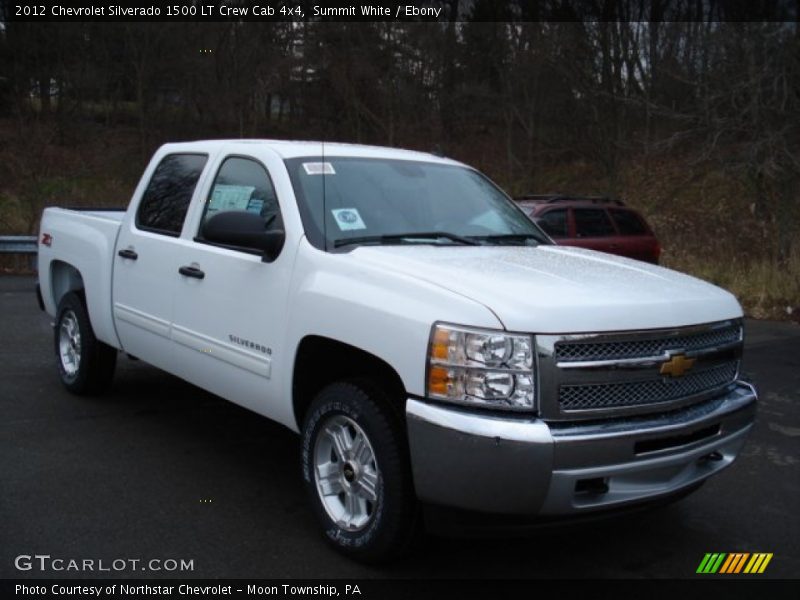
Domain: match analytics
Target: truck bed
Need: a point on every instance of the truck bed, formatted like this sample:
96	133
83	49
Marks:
109	214
81	240
106	214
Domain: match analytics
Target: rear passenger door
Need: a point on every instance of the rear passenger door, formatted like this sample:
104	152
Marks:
146	267
594	230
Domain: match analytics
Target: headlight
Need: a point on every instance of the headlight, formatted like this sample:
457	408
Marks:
481	367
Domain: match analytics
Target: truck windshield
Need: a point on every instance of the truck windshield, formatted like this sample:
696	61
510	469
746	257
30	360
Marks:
355	201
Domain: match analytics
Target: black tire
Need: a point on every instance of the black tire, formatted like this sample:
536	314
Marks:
394	522
93	370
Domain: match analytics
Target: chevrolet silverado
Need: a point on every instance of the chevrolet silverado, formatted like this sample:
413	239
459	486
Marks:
428	341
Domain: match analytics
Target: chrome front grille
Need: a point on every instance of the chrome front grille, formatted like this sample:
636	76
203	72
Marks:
651	391
591	376
614	350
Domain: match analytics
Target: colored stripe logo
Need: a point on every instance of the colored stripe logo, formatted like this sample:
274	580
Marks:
734	563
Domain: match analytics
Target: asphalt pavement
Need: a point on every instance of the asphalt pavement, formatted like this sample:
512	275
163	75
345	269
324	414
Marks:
159	469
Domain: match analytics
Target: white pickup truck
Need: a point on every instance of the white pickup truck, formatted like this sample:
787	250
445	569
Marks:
427	340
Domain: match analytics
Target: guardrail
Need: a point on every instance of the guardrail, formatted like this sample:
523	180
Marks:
20	245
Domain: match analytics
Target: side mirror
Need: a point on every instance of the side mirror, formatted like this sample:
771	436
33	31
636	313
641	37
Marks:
244	230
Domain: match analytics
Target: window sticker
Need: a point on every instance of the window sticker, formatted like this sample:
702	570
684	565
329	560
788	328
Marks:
255	205
348	219
319	168
229	197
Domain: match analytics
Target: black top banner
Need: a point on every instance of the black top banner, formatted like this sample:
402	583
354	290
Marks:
402	10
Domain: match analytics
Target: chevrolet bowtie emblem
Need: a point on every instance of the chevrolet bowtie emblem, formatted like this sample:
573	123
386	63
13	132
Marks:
677	366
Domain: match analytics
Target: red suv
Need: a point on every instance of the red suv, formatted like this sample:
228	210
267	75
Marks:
593	222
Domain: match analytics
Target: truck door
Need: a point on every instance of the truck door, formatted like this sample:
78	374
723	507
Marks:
230	306
146	268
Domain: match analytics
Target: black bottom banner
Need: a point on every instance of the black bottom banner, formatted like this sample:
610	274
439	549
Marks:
380	589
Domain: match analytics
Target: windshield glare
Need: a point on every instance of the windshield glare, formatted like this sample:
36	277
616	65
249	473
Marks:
366	197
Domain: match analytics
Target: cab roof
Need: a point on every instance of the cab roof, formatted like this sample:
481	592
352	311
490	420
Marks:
295	148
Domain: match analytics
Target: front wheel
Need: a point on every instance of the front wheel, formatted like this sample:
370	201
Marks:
85	364
357	474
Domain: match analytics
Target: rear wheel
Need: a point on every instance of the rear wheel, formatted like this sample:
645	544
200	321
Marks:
357	474
85	364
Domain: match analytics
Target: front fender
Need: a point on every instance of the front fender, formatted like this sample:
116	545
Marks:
387	314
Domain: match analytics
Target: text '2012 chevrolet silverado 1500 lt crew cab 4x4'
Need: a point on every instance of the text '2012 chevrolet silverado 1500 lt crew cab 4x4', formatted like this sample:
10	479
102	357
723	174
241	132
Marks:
427	340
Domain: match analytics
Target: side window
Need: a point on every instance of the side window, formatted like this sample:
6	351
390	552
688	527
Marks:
592	222
554	223
166	199
243	184
628	222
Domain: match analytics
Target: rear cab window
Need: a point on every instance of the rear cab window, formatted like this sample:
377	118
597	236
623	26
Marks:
166	200
592	222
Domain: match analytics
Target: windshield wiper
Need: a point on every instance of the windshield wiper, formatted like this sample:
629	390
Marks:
399	237
511	237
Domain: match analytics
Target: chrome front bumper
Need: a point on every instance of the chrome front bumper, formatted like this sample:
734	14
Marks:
509	465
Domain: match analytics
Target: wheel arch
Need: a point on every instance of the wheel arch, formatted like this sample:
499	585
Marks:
320	361
64	278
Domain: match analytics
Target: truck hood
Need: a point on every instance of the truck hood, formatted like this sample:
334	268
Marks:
555	289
